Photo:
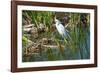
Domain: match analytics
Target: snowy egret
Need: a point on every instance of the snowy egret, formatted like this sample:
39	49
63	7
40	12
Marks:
61	29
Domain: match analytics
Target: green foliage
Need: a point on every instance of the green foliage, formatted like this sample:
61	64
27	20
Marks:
37	17
78	47
24	41
50	55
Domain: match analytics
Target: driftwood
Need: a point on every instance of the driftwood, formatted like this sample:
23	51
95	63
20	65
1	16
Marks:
50	46
37	48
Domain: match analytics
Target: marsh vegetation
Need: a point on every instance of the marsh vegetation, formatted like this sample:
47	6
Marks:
42	42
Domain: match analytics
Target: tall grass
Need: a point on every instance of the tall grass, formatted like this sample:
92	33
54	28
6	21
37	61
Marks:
78	47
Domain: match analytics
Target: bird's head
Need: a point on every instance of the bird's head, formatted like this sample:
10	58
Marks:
57	21
61	17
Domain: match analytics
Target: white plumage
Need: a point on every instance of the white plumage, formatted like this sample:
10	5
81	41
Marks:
61	29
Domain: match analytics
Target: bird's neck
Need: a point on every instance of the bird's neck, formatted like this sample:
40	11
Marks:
58	22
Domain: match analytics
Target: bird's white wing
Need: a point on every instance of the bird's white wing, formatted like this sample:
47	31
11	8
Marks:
62	29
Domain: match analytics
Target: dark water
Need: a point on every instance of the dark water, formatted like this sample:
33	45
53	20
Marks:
52	54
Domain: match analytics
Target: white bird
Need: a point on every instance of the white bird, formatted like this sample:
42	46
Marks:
61	29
